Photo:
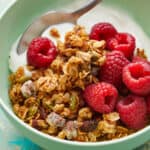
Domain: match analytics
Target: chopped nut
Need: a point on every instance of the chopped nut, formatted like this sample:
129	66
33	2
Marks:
73	103
72	66
76	37
68	52
60	46
141	53
58	108
30	101
106	127
82	138
101	61
32	111
71	129
85	113
47	84
84	55
99	44
62	134
57	64
64	83
16	108
55	119
112	117
57	98
47	104
92	137
28	89
121	129
15	93
55	33
66	113
22	112
36	74
76	41
52	130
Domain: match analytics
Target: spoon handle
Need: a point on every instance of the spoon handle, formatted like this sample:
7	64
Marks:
50	18
79	12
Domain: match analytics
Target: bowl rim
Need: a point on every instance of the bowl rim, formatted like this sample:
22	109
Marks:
55	139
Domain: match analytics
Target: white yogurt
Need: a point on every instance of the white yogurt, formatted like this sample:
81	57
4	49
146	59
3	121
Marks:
62	29
120	20
16	60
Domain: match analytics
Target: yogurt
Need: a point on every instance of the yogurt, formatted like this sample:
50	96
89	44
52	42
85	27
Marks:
62	29
122	21
16	60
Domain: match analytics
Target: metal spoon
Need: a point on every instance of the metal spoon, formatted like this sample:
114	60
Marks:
50	18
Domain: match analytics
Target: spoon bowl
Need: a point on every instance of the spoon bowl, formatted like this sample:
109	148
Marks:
50	18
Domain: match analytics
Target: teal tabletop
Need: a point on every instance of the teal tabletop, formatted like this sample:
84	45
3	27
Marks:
10	137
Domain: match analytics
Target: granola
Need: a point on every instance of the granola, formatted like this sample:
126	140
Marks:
51	101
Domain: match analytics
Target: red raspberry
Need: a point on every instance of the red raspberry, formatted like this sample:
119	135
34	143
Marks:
41	52
148	104
111	71
123	42
101	97
133	111
102	31
136	76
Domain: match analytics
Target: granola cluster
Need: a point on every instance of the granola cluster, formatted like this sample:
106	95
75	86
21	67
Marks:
50	99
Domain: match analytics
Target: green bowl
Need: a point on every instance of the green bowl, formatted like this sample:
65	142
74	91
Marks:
13	22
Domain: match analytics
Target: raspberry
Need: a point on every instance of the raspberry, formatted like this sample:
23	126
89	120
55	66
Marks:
123	42
41	52
133	112
102	31
136	76
111	71
148	104
101	97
